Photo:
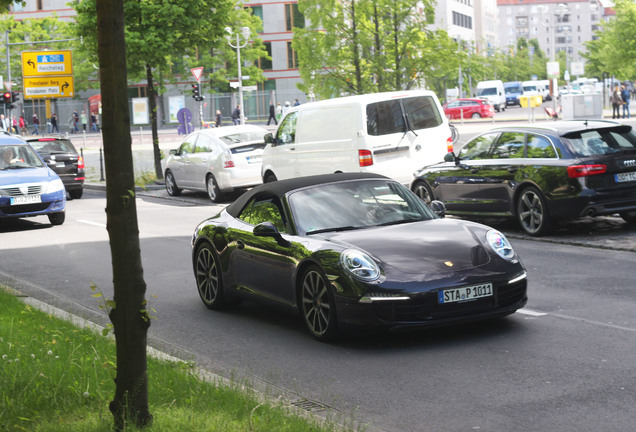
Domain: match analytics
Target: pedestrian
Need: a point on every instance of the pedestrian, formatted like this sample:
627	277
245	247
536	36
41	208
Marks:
54	127
272	114
625	95
23	126
94	127
616	100
296	103
36	124
236	115
279	111
3	123
219	118
75	120
83	120
14	125
286	108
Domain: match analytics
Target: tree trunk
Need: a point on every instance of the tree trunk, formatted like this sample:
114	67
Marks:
128	315
152	103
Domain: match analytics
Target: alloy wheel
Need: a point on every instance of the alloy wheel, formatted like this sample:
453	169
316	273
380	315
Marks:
317	305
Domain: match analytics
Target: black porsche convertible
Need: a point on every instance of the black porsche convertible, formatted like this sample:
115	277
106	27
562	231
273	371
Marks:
355	250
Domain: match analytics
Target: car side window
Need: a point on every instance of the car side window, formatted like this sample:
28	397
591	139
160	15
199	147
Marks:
264	209
478	148
287	129
384	118
187	147
204	144
453	104
509	146
540	147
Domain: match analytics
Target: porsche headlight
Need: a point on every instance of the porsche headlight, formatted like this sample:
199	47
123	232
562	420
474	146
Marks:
360	265
54	186
500	244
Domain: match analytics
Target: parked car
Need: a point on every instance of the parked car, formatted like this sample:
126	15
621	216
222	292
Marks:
61	156
539	174
514	90
473	108
354	249
494	91
390	133
28	187
216	160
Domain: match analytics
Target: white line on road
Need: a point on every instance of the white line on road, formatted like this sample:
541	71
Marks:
531	312
101	225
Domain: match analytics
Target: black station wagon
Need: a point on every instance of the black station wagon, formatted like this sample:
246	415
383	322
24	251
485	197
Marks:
539	174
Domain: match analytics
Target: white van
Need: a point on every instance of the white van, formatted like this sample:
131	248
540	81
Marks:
392	133
543	87
530	88
493	90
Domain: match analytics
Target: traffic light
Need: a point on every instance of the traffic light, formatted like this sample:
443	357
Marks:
15	96
196	92
3	98
7	100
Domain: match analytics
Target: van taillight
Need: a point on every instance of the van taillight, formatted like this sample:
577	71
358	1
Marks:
80	162
365	157
449	144
575	171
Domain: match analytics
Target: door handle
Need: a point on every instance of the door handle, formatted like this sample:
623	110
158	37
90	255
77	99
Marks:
240	244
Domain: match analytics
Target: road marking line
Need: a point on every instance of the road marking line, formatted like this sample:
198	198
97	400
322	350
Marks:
101	225
531	312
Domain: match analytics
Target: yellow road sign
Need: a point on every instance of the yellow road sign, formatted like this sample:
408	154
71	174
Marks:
46	63
48	87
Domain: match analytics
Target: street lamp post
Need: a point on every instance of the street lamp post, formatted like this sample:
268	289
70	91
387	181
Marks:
245	33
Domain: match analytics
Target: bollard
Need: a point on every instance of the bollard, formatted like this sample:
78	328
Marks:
84	140
141	135
101	166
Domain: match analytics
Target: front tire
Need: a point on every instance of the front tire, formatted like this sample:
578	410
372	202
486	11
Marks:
317	304
57	218
629	217
269	178
207	273
532	212
171	185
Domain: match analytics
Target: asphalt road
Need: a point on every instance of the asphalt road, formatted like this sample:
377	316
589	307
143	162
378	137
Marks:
564	363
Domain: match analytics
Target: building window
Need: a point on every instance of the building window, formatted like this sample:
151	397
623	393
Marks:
263	63
462	20
293	17
40	5
257	11
292	60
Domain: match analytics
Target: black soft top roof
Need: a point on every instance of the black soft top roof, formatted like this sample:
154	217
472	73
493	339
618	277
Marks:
281	187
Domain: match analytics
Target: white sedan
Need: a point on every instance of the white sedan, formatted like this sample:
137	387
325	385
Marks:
216	160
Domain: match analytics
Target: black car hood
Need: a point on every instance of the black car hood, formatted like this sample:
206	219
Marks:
433	246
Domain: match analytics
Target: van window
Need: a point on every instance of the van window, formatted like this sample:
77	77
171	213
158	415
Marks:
385	118
287	129
422	112
334	123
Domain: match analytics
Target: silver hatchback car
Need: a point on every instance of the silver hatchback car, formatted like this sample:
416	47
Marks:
217	160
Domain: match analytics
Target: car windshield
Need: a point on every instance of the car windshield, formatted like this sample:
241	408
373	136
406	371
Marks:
602	141
490	91
18	157
355	205
52	145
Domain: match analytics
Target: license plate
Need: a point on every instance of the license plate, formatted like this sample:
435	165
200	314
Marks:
464	294
625	177
29	199
60	165
253	159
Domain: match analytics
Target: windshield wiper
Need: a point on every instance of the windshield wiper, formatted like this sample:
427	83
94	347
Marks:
400	221
334	229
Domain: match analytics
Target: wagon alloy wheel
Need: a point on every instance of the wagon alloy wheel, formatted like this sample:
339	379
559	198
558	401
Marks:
532	212
318	308
171	185
422	190
213	189
207	274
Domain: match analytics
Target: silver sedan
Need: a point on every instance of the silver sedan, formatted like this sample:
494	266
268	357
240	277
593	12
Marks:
217	160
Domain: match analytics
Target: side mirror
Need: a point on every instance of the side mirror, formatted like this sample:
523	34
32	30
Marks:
449	157
438	207
267	229
269	139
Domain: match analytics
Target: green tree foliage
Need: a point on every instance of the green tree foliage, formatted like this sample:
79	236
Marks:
362	46
613	50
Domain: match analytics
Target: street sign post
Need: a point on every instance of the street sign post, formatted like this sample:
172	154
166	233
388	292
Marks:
48	87
196	73
46	63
